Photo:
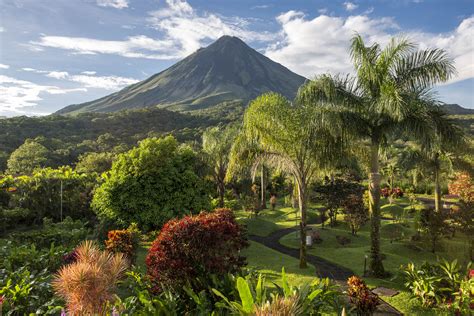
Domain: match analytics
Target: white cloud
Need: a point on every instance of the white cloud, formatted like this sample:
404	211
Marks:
3	66
349	6
133	47
314	46
323	11
261	6
58	74
2	29
184	30
117	4
87	79
15	94
319	45
102	82
189	29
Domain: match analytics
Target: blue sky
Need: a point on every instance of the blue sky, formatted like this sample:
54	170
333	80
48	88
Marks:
61	52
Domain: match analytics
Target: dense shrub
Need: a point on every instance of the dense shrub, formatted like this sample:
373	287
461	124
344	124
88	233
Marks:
152	183
124	241
68	232
196	246
365	302
41	193
395	192
25	273
463	186
444	284
88	284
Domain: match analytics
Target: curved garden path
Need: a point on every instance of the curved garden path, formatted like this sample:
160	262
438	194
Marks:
324	268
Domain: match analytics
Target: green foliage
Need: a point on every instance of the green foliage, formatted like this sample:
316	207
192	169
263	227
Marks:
216	146
27	157
68	232
309	299
95	162
438	283
151	184
40	193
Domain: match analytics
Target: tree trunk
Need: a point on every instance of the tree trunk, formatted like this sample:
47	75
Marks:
437	192
376	265
302	207
221	192
263	200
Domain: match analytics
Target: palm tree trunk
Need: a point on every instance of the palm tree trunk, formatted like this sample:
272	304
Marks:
376	265
437	192
221	192
263	200
302	207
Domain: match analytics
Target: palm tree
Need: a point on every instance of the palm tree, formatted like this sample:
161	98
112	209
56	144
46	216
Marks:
246	154
438	155
293	138
390	93
216	145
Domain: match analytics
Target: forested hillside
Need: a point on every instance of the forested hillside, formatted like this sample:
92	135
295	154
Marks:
66	138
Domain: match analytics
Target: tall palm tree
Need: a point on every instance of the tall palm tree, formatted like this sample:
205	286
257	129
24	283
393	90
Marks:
293	138
216	145
391	92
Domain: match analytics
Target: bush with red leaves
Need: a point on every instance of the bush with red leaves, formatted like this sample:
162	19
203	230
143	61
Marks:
395	192
196	246
365	302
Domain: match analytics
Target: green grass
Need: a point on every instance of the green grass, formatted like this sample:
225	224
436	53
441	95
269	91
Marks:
270	262
268	221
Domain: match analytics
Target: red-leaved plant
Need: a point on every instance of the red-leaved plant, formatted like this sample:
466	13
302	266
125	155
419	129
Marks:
196	246
365	302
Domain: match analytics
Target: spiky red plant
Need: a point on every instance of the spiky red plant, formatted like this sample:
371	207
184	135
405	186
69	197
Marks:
89	283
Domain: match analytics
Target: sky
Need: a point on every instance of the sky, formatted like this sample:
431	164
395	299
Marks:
54	53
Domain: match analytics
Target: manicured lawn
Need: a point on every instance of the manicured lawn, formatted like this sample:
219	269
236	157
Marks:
270	262
268	221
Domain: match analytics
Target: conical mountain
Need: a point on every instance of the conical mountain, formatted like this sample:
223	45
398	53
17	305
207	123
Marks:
228	69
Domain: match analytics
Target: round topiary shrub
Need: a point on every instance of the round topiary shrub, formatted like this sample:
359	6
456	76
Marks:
195	247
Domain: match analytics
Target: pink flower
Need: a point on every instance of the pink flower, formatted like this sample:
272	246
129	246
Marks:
471	273
2	299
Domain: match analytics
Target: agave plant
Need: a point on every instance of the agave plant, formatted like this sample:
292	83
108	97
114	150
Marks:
88	284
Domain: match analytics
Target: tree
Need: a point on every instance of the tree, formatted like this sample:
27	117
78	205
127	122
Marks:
390	93
151	184
294	138
433	223
246	154
27	157
355	212
216	145
95	162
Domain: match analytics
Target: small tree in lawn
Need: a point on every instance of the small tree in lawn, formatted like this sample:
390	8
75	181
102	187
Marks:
433	223
463	214
355	212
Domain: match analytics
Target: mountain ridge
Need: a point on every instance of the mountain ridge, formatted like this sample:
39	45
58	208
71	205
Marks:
226	70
